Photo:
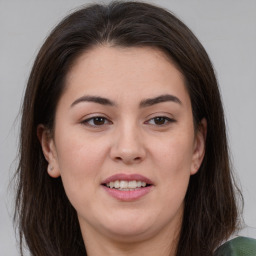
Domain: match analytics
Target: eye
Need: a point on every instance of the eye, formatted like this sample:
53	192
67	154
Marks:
96	121
160	120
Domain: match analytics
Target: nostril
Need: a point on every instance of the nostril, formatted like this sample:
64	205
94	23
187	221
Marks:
127	155
127	159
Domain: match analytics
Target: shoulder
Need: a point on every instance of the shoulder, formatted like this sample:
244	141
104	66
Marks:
239	246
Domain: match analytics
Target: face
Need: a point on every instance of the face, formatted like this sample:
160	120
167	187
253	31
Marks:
124	142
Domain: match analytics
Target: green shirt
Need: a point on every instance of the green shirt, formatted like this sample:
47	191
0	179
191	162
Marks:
240	246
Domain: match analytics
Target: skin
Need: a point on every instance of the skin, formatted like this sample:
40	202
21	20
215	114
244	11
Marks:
129	139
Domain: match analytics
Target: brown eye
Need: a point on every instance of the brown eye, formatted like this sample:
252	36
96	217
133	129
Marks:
99	120
96	121
160	120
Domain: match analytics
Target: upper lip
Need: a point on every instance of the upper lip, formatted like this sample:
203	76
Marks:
127	177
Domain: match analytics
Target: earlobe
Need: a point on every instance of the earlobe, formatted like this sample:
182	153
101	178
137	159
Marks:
54	173
199	146
49	150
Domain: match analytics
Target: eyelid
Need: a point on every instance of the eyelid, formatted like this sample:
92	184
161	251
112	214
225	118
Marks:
91	118
167	118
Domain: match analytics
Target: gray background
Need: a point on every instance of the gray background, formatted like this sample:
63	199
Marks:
227	29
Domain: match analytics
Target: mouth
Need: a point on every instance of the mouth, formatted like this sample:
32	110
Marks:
127	187
124	185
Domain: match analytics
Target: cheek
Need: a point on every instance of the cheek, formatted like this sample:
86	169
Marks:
75	158
80	163
174	159
174	154
77	153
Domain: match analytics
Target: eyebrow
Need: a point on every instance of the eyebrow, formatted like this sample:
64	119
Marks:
95	99
160	99
144	103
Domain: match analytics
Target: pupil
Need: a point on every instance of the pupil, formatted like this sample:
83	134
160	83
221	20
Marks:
99	120
159	120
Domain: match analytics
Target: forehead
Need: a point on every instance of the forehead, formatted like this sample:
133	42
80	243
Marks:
141	71
131	58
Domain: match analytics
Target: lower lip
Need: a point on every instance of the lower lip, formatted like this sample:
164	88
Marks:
131	195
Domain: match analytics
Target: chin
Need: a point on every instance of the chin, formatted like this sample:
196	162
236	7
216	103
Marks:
129	228
129	235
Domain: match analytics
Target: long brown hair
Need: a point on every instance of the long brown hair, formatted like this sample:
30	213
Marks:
47	221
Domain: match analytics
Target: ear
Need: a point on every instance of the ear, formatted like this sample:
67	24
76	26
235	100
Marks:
49	150
199	146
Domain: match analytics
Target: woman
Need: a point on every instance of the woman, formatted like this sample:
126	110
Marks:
123	145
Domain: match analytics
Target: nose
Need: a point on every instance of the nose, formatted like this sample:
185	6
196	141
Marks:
128	145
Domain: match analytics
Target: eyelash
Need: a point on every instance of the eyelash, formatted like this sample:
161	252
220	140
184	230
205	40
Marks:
96	118
166	120
105	121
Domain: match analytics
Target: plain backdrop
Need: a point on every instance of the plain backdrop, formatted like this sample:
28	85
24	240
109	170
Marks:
226	28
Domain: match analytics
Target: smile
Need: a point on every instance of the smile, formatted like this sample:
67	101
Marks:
126	185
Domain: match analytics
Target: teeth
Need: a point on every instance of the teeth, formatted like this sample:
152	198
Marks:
126	185
116	184
123	184
132	184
